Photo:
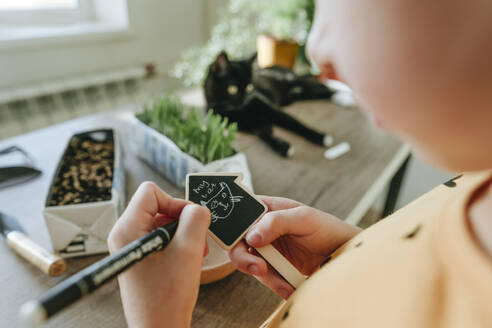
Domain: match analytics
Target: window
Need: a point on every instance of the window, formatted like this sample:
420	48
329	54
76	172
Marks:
43	12
23	21
38	4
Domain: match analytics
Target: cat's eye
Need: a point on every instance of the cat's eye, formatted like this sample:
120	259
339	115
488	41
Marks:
232	89
249	88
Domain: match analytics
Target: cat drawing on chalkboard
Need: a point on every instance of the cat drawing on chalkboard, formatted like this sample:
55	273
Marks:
221	204
252	97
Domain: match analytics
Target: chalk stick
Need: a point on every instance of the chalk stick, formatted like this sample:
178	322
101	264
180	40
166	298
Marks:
337	151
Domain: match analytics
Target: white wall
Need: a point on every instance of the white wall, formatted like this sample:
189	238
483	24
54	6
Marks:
212	9
160	31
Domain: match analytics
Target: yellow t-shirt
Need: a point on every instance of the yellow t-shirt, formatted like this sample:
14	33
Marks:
420	267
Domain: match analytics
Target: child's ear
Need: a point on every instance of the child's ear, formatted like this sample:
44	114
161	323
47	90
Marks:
221	64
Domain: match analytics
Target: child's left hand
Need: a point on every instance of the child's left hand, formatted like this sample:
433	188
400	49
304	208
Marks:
161	290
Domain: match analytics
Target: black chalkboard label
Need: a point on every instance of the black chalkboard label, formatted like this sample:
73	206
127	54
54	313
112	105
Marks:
234	209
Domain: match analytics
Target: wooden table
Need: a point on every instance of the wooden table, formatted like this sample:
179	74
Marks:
345	187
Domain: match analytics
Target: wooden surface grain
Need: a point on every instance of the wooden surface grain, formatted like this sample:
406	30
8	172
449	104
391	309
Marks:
238	300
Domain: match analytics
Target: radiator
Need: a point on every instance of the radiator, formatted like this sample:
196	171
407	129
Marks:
32	107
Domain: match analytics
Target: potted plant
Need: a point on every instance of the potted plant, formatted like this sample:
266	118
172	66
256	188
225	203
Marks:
176	140
284	26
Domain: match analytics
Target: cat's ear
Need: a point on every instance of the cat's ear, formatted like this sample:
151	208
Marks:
252	59
221	64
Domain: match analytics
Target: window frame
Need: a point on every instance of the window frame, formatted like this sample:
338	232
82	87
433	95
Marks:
47	16
99	21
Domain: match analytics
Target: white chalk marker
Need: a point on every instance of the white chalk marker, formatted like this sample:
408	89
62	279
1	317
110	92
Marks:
338	150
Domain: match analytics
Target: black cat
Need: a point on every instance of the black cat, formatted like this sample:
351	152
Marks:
283	87
252	96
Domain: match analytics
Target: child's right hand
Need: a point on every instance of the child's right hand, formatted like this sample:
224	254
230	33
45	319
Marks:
304	235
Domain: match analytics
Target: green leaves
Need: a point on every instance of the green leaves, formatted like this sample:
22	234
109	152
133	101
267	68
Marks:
286	20
207	138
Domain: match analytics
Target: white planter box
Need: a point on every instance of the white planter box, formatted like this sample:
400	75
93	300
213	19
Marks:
166	157
82	229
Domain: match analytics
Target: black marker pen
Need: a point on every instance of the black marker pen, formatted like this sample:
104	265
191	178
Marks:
91	278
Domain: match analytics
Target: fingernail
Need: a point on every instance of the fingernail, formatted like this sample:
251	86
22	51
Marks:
284	293
253	237
253	269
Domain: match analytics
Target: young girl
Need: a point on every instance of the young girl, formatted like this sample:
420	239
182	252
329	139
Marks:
423	71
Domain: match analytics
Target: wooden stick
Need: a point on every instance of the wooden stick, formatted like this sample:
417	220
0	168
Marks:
282	265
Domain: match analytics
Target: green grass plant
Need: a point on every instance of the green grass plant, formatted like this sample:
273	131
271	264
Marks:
205	137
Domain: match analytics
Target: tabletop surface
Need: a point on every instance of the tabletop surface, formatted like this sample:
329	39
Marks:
343	187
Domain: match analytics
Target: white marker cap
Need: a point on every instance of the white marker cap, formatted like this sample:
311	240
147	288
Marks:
338	150
32	314
291	151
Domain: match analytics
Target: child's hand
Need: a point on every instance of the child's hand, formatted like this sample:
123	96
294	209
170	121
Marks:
162	289
306	236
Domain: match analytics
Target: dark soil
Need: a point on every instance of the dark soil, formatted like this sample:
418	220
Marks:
85	174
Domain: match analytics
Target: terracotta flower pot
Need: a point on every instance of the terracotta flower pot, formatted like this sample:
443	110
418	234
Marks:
273	52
